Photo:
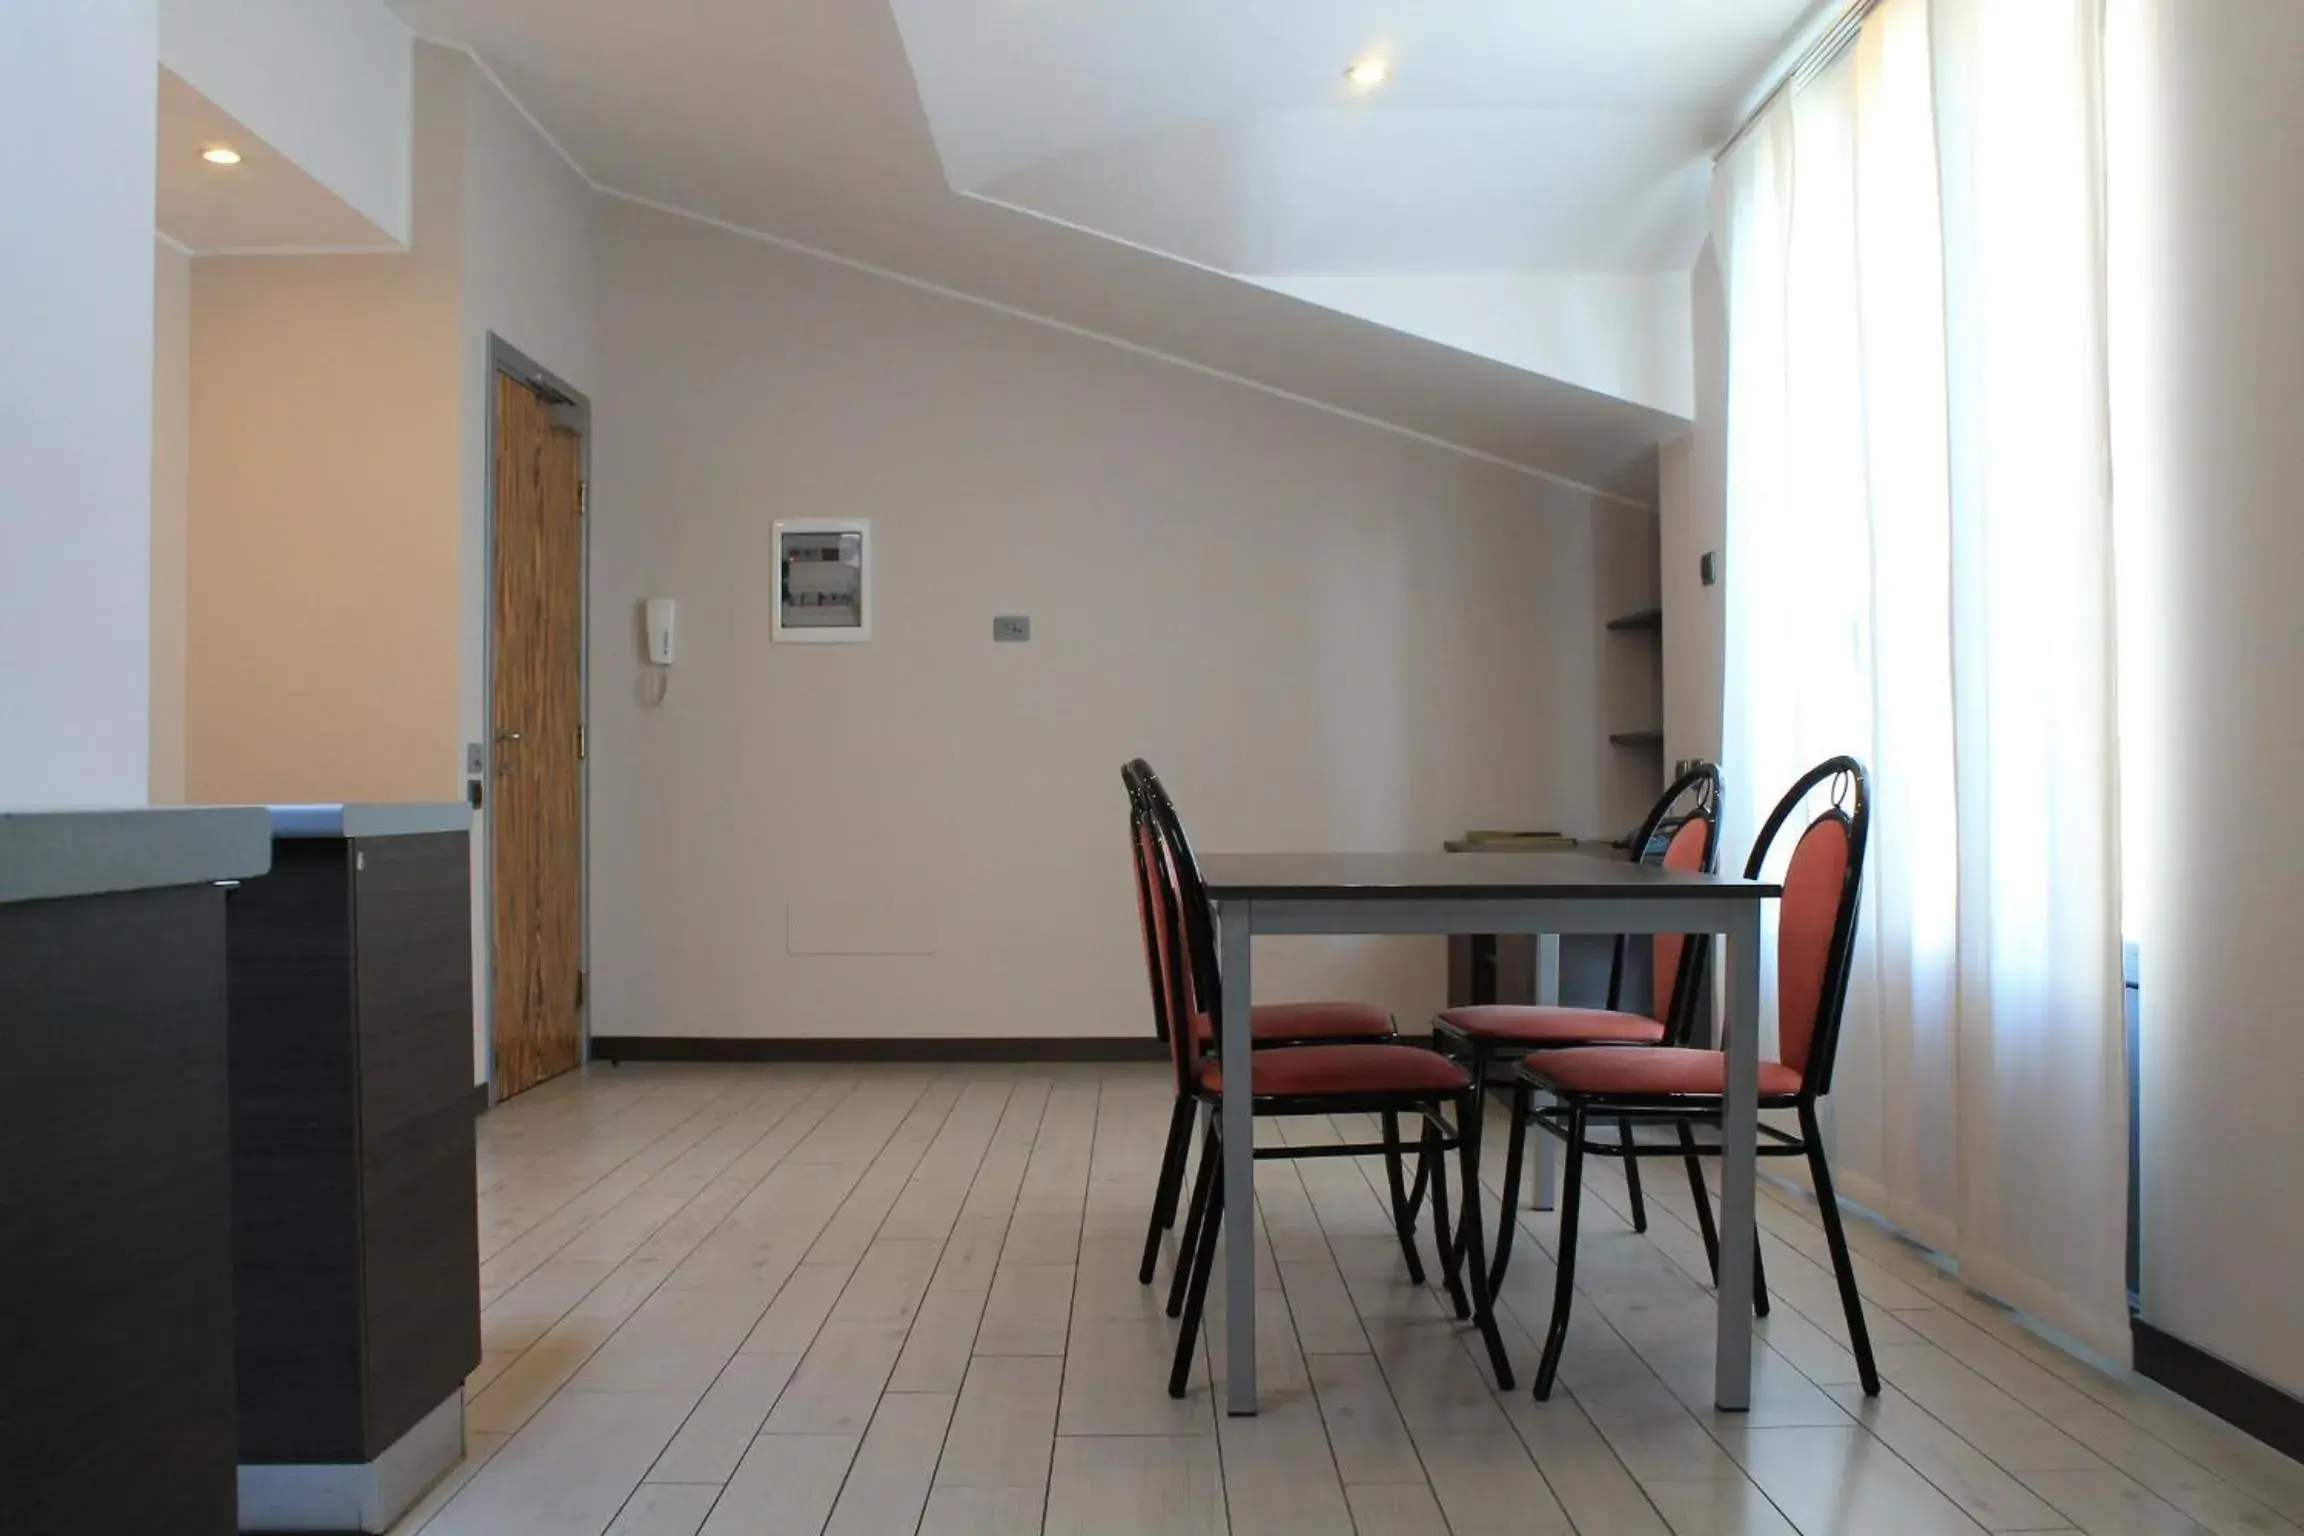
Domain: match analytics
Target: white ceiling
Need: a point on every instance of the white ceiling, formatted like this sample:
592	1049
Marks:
1537	135
266	202
802	119
1389	192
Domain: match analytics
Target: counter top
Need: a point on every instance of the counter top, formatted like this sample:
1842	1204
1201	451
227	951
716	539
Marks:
385	819
47	855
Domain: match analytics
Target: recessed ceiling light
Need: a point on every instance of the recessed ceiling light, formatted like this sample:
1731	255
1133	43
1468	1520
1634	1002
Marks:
220	154
1368	72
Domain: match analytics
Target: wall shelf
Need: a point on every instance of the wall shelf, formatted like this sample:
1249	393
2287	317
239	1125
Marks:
1631	658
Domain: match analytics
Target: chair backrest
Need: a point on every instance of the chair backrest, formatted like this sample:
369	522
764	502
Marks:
1689	817
1197	912
1161	854
1816	920
1134	776
1186	924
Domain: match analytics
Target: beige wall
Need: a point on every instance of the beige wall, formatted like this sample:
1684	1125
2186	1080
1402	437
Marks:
2209	376
326	512
171	498
1324	635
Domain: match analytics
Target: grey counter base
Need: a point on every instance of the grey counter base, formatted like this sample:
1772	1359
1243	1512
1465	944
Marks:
363	1497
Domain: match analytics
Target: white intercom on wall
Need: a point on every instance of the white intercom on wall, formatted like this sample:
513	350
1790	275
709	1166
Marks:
660	631
663	617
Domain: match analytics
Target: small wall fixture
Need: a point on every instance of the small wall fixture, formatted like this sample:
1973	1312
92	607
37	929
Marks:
1368	72
220	154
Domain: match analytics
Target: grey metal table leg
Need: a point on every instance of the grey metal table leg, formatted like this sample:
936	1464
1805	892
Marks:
1732	1358
1543	1175
1236	922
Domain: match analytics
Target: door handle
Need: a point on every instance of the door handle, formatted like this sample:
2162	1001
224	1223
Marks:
503	740
507	735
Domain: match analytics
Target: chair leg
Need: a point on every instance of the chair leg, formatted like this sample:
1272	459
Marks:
1196	1299
1451	1253
1700	1197
1759	1276
1468	1244
1508	1216
1564	1278
1403	1215
1171	1182
1209	1175
1632	1174
1843	1268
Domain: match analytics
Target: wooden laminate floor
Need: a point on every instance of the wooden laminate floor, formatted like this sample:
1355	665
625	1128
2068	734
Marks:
878	1300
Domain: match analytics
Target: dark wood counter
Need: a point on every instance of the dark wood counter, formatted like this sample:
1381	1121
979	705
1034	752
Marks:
355	1229
116	1365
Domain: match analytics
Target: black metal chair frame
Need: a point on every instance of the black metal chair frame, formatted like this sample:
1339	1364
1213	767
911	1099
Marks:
1144	792
1487	1059
1570	1117
1193	945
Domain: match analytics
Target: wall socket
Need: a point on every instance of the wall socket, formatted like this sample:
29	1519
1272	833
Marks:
1012	626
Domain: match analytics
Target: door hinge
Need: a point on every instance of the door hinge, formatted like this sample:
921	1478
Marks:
583	497
579	743
580	980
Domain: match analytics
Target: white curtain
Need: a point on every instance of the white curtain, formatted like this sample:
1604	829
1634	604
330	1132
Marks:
1918	572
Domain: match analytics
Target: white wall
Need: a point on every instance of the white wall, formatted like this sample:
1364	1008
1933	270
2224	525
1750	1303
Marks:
2208	242
1323	635
328	83
1616	333
171	509
78	104
1692	510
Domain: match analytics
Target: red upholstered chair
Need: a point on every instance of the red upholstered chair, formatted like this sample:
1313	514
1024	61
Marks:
1815	936
1385	1079
1491	1037
1319	1023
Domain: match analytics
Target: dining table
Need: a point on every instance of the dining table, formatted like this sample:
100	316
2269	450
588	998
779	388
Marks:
1540	894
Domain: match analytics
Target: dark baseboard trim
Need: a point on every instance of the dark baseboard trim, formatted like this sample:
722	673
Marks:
2239	1399
479	1100
617	1048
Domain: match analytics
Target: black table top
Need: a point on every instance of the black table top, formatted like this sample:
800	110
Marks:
1442	876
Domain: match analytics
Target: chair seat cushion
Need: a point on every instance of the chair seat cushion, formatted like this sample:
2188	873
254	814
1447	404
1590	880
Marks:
1347	1069
1512	1024
1307	1021
1648	1072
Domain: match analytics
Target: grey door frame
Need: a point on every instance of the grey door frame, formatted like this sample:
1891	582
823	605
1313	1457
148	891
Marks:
573	410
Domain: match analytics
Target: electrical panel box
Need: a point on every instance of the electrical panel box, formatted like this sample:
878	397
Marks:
823	580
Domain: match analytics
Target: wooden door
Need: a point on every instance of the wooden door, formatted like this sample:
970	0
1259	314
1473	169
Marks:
535	814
